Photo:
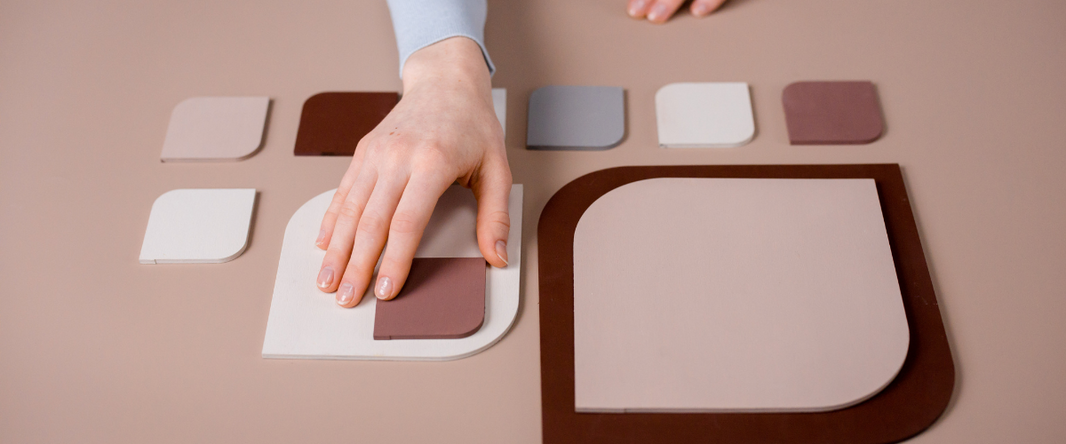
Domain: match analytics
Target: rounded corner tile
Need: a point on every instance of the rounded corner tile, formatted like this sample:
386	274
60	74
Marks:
303	324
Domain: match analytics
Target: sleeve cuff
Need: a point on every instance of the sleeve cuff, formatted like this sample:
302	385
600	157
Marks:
480	44
420	23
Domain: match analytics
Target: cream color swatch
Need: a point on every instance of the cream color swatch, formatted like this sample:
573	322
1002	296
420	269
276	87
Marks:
198	226
306	323
704	115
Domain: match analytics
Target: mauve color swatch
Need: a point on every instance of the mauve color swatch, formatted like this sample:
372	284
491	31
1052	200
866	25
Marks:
444	298
832	113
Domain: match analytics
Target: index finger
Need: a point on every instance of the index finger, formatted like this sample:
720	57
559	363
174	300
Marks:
405	232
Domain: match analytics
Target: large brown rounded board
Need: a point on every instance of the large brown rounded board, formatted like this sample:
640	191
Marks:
907	406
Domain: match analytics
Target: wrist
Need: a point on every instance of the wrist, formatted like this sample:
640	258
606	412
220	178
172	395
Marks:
456	61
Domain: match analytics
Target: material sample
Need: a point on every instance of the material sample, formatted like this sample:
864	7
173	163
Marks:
576	118
306	323
442	298
912	402
704	115
735	295
215	128
832	113
198	226
332	123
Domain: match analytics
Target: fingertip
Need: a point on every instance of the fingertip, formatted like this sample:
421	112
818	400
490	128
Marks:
391	277
501	253
703	8
493	248
637	8
699	9
325	279
494	221
385	288
659	13
346	295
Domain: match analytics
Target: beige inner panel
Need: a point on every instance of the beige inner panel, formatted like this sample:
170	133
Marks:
735	295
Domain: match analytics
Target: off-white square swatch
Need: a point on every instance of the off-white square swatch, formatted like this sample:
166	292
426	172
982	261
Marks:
704	115
198	226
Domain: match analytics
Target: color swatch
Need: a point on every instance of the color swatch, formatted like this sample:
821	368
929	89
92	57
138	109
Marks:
305	323
332	123
215	129
576	118
443	298
704	115
909	404
832	113
198	226
735	295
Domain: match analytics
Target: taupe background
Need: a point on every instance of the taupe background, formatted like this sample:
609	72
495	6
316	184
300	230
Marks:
95	347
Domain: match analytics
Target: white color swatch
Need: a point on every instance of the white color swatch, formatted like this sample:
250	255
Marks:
306	323
198	226
735	295
215	128
704	115
499	103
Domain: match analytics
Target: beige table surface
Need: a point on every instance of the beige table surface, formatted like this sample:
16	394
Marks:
95	347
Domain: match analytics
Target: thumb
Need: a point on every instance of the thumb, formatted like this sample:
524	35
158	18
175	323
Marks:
492	190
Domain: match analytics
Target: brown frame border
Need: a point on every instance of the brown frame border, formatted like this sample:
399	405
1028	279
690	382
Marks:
910	404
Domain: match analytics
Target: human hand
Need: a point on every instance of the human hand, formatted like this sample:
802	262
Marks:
443	130
659	11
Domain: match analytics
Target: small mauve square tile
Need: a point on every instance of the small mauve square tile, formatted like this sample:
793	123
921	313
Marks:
443	298
832	113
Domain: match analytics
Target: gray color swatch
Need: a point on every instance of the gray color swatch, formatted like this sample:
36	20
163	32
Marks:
576	118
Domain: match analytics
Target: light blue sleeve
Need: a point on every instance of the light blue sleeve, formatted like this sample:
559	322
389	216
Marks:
420	23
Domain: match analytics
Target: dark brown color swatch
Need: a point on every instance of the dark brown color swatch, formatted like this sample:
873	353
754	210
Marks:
332	123
832	113
907	406
444	298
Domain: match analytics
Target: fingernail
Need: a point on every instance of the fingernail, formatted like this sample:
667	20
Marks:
384	287
700	10
636	8
345	293
501	251
325	277
657	12
321	237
